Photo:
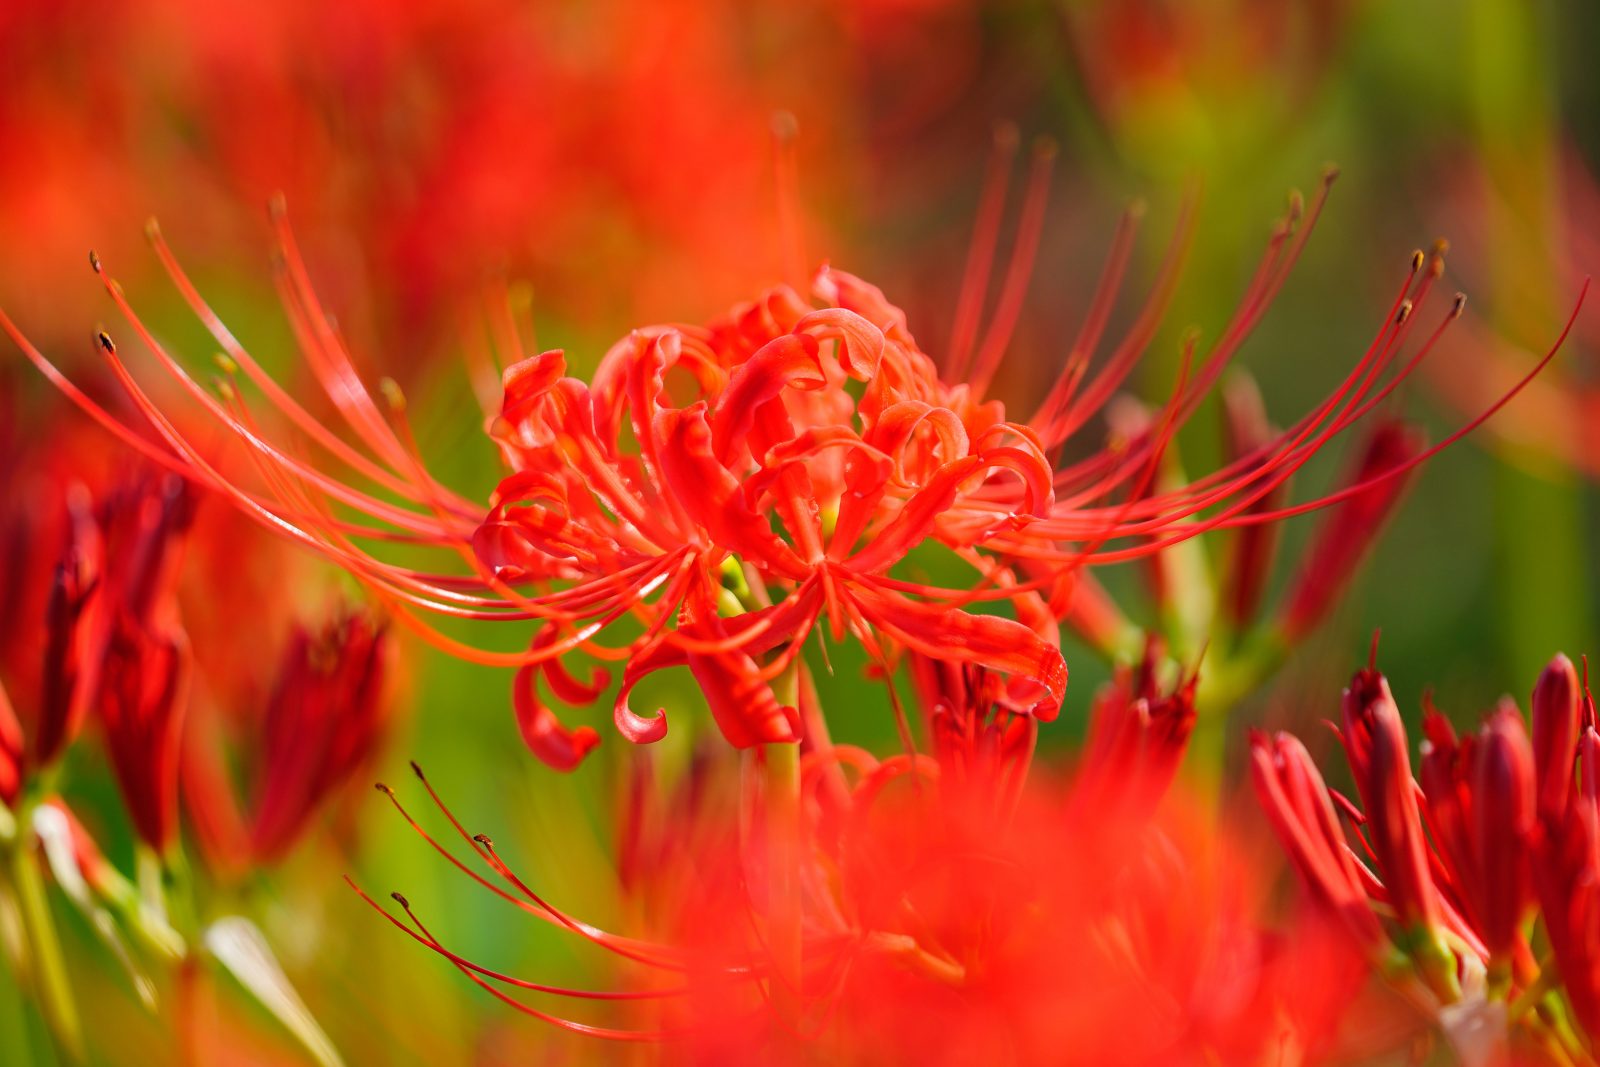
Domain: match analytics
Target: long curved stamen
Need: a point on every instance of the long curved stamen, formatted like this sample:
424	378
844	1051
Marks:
1030	226
275	393
980	255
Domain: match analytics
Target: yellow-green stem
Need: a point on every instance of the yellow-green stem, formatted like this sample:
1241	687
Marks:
781	797
49	972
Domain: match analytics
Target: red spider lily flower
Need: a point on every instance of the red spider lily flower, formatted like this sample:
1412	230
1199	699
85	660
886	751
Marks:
321	723
983	745
74	636
945	911
74	639
1480	805
142	699
406	123
734	486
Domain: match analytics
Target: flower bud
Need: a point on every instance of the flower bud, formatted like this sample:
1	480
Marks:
1555	733
1351	526
73	634
10	752
1375	741
1295	799
143	692
1502	826
1446	792
1253	547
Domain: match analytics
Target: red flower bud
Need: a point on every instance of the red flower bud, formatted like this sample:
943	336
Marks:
10	752
1296	802
1253	547
1138	735
1555	733
144	688
324	719
1502	826
1448	795
1375	741
1351	526
1567	877
145	660
74	635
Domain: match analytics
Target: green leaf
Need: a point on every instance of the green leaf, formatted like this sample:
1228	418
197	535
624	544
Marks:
242	949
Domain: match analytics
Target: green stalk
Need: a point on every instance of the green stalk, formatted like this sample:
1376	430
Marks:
49	969
781	798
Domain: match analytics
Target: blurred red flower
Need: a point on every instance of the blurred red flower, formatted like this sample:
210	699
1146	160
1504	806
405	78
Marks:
952	907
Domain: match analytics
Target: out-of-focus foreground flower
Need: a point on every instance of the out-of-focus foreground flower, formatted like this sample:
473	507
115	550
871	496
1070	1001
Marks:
941	907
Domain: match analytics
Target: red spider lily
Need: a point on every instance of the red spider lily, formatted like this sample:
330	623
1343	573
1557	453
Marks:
948	907
1506	830
1556	721
50	473
732	486
320	725
68	649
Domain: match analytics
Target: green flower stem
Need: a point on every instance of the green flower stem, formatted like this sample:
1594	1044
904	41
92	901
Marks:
49	969
781	798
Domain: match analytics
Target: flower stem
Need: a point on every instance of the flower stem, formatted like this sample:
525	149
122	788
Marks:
781	797
49	970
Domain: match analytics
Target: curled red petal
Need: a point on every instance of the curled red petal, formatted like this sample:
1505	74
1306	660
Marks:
912	525
714	497
742	702
556	746
527	382
847	291
986	640
782	363
860	342
644	729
